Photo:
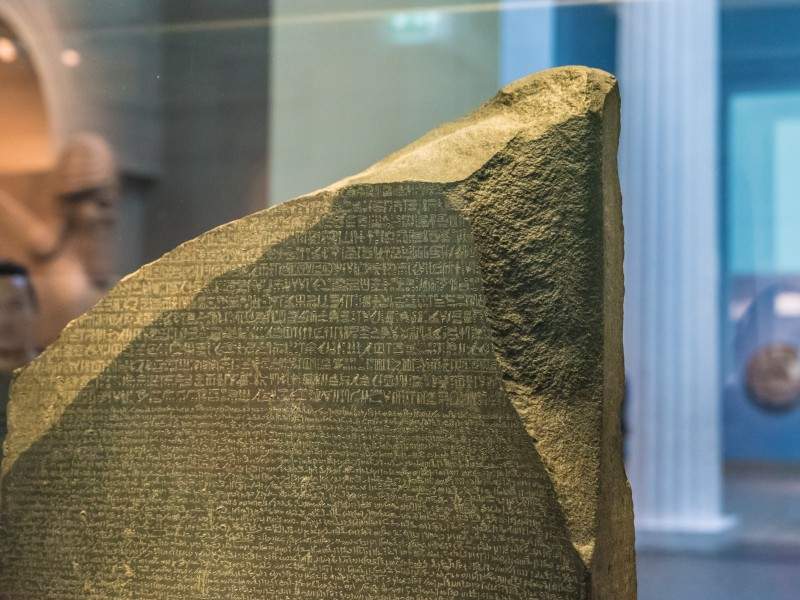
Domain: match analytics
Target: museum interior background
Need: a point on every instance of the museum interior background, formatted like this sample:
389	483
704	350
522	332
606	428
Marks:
205	111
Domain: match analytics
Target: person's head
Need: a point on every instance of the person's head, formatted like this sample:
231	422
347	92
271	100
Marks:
86	179
87	185
18	308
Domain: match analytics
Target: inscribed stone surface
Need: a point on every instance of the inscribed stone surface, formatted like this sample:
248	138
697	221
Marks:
403	386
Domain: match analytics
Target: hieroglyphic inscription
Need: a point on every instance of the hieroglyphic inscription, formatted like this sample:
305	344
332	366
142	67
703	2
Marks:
326	422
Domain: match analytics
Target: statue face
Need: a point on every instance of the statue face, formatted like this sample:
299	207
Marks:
92	217
17	314
90	208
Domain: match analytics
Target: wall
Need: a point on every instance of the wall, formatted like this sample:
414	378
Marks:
26	143
215	101
113	90
586	35
351	84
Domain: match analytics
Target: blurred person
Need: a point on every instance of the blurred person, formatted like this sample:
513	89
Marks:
71	259
18	309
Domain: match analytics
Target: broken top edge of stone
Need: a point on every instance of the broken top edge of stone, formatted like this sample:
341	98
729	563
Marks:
597	80
533	104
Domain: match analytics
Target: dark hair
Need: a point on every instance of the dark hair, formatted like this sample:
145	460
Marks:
12	269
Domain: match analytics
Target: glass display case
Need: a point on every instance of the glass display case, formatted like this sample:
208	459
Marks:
132	126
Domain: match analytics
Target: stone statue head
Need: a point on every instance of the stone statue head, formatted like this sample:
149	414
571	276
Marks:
18	308
87	162
86	179
86	182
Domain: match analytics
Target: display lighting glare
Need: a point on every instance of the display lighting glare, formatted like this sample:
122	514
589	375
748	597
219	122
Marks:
70	57
787	304
8	50
417	27
738	309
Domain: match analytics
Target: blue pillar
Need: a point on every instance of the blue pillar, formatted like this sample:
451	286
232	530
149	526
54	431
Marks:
668	71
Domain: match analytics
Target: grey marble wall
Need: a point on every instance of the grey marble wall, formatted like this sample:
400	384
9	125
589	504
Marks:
215	102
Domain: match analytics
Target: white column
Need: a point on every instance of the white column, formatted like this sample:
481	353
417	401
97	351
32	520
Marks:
668	70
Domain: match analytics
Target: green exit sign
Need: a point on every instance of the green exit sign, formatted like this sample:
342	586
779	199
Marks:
418	27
